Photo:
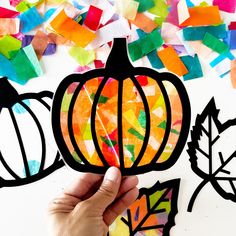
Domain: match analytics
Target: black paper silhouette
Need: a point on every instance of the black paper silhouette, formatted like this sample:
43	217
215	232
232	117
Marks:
34	130
119	68
212	152
155	209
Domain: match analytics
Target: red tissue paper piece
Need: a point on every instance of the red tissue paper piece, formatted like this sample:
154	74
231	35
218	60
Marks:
93	18
232	25
7	13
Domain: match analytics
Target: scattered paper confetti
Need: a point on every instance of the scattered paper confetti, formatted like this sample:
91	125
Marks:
167	32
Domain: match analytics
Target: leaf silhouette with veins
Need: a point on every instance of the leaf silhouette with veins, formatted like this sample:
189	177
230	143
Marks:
152	213
212	152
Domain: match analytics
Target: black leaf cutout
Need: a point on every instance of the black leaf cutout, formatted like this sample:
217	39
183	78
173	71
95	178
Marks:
212	152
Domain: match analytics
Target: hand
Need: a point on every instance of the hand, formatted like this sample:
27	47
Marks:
91	204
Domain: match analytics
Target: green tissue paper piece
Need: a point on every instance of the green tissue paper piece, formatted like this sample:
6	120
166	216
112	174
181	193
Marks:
194	67
130	148
215	44
102	99
29	51
26	65
82	56
162	125
160	9
198	33
136	133
142	119
22	6
9	44
109	142
145	45
144	5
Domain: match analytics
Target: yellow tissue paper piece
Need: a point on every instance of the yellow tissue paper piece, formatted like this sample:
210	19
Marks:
82	56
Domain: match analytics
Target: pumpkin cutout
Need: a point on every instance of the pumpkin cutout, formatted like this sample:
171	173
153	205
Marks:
134	118
25	152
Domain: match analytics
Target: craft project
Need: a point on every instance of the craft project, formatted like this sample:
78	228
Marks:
134	118
209	157
152	213
25	152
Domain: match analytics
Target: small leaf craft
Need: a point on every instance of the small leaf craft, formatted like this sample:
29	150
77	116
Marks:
151	214
212	152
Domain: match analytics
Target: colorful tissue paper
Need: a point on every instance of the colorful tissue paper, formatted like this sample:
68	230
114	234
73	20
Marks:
233	73
145	45
145	5
231	39
7	13
152	56
224	5
154	60
194	67
183	13
160	10
30	19
9	26
116	29
6	68
169	33
40	43
14	2
31	68
198	33
127	8
172	62
200	16
82	56
232	25
93	18
215	44
71	30
50	50
9	44
145	23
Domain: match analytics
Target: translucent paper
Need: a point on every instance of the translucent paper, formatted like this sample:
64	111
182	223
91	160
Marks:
71	30
172	62
9	26
9	44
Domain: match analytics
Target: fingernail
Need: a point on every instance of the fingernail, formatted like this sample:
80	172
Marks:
112	174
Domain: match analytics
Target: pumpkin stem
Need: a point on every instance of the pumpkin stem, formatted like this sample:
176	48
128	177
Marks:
118	62
8	94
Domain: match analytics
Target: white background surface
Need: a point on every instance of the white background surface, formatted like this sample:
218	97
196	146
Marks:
23	209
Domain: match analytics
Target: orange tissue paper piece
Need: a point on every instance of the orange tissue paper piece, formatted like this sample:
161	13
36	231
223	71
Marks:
209	15
233	73
145	23
172	62
9	26
72	30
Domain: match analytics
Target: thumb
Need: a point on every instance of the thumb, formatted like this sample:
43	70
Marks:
108	190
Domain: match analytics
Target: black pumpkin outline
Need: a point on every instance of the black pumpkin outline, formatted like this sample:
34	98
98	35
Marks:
8	98
119	51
